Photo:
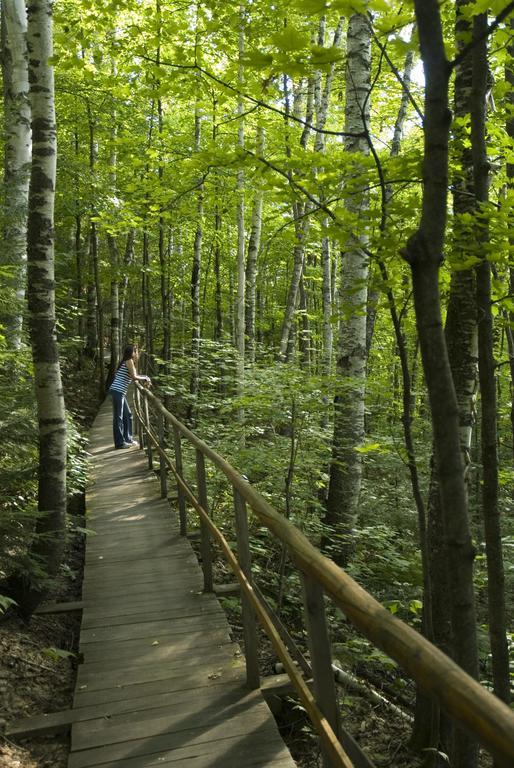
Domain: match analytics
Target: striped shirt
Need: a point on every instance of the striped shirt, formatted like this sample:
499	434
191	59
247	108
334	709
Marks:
121	380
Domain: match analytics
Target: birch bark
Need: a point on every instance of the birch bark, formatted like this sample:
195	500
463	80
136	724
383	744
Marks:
41	293
17	155
254	244
346	466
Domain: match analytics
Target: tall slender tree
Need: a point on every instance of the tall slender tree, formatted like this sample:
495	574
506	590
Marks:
17	154
41	293
346	465
423	253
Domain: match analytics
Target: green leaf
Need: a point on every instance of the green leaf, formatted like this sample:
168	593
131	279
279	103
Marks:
290	39
6	602
56	654
258	59
368	447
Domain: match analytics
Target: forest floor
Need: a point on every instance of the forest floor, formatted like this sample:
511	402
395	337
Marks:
382	734
37	676
38	658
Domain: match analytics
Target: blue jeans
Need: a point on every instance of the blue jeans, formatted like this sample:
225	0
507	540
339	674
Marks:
121	419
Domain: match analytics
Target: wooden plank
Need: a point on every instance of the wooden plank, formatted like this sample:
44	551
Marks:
232	752
91	621
227	590
51	608
193	716
97	674
164	595
150	580
41	725
151	629
135	607
139	706
148	650
264	729
222	670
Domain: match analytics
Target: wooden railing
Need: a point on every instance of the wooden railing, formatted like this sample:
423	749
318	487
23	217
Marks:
465	700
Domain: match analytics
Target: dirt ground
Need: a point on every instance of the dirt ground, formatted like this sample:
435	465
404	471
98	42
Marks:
34	680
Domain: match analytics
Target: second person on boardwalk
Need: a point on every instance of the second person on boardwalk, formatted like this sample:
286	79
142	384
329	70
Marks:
121	413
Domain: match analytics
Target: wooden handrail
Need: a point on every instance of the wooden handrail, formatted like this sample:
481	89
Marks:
338	757
464	699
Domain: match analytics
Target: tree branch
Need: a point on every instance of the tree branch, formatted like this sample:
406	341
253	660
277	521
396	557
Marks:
486	33
247	96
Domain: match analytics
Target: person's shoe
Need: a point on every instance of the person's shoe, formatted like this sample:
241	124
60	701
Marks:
124	445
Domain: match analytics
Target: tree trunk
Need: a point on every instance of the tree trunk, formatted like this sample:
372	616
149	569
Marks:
91	346
146	296
301	226
486	368
17	154
509	76
346	466
294	285
114	335
253	251
93	251
115	309
423	252
304	341
240	216
195	286
50	529
461	341
128	259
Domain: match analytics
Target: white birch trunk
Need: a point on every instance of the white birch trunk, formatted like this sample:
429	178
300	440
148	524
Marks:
346	468
254	244
327	300
17	157
322	103
41	292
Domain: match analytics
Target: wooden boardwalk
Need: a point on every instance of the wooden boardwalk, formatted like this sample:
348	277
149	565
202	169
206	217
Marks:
161	683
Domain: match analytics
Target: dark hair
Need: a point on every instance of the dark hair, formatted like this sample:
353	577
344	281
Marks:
127	353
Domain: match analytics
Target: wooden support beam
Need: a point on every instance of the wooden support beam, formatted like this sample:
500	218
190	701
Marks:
50	608
227	590
42	725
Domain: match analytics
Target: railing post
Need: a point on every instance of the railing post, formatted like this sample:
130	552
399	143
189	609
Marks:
205	543
248	616
320	653
148	442
140	430
162	463
178	466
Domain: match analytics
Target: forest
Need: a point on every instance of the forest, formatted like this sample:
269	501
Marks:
301	213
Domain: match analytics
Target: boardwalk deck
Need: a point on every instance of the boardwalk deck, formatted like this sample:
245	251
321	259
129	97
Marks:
161	683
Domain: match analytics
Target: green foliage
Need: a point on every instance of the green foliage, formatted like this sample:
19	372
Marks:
58	654
5	603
